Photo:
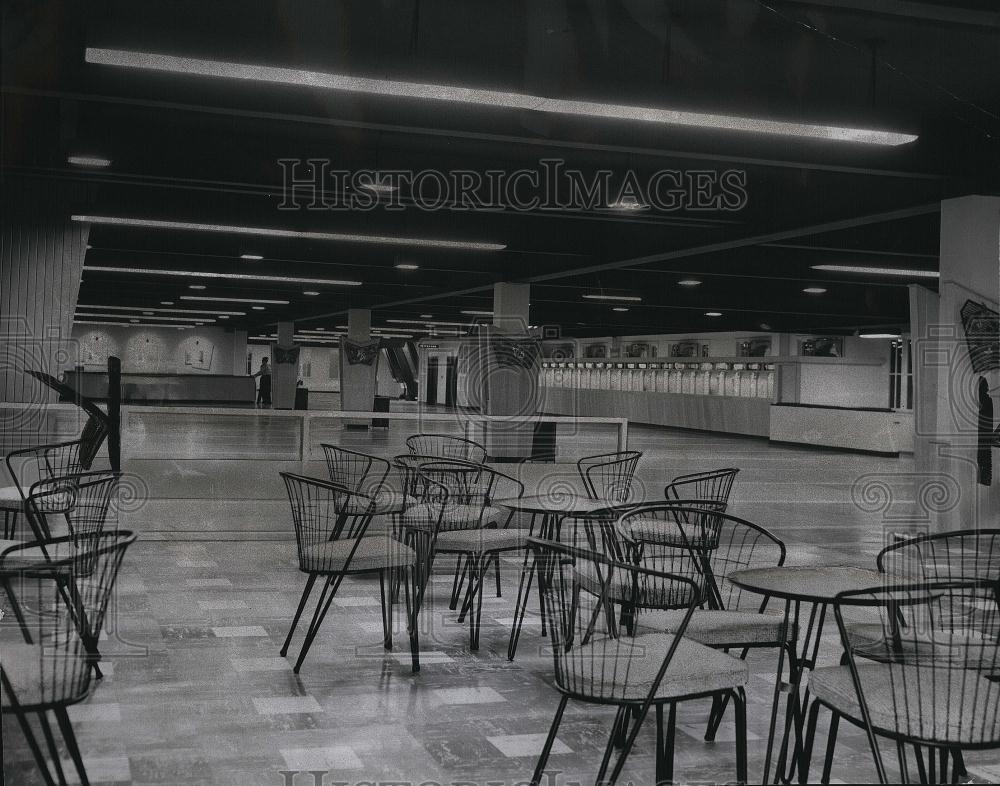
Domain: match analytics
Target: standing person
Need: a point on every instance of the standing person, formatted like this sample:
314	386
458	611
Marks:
264	389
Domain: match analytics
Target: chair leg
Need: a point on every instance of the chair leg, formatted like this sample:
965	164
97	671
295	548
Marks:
715	715
740	707
547	747
808	742
298	613
50	742
831	746
665	741
958	765
475	619
386	598
621	725
461	567
74	750
496	571
411	620
33	746
322	607
18	614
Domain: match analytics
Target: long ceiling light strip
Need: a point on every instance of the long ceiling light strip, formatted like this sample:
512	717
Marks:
878	271
205	298
496	98
159	317
162	310
616	298
341	237
143	271
126	324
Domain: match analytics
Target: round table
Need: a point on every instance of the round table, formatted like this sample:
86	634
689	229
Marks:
548	510
818	587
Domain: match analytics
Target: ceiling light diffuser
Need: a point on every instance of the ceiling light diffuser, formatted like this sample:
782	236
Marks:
150	61
160	317
235	300
878	271
879	335
251	257
341	237
146	309
234	276
622	298
713	313
814	290
407	266
91	161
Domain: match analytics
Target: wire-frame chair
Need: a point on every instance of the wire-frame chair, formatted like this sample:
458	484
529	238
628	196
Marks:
360	472
969	554
632	673
716	484
331	522
928	681
609	476
51	669
48	461
446	446
468	524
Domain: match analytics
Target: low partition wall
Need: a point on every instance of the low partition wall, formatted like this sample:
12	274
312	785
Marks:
882	431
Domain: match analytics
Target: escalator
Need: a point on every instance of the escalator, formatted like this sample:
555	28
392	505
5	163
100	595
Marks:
401	357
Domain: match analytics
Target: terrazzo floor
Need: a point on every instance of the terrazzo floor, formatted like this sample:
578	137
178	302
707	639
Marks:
196	693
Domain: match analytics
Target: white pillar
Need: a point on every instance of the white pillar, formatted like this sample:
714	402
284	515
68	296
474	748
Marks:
511	307
284	374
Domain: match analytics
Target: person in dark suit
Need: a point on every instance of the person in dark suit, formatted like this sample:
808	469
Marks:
264	389
987	436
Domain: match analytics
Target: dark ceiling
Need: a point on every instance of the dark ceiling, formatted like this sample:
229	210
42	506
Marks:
188	148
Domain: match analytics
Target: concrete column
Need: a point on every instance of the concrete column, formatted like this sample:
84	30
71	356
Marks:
948	493
511	307
359	324
284	374
358	368
239	352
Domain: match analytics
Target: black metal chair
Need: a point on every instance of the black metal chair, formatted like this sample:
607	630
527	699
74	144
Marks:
609	476
928	681
958	555
331	522
51	669
716	484
48	461
446	446
632	673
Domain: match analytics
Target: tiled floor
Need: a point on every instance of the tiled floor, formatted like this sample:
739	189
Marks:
195	692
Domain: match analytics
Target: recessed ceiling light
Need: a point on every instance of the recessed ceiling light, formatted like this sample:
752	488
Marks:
619	308
91	161
879	335
311	292
378	186
147	313
257	308
223	316
475	313
622	298
878	271
494	98
713	313
166	302
628	203
251	257
689	282
234	276
188	226
235	300
407	266
427	316
199	323
814	290
131	320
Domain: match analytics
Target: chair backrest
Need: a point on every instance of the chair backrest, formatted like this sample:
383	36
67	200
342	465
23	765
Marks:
471	492
716	484
76	505
62	605
946	556
715	542
609	475
446	446
324	512
590	661
357	471
925	676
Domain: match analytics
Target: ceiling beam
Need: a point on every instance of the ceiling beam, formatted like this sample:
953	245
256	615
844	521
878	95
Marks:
909	9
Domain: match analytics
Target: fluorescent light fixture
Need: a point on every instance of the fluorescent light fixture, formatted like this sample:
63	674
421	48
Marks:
252	257
427	316
878	271
223	316
689	282
257	308
814	290
628	203
879	335
342	237
235	300
310	292
125	324
619	308
97	315
91	161
385	87
166	302
378	186
147	313
407	266
474	313
160	310
424	322
713	313
232	276
622	298
157	316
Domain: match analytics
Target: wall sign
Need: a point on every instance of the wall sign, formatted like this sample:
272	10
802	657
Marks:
285	355
360	354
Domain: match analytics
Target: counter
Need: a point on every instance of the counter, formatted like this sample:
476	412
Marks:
882	431
198	389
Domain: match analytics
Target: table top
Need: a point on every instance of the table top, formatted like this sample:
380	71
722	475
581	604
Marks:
810	583
566	502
